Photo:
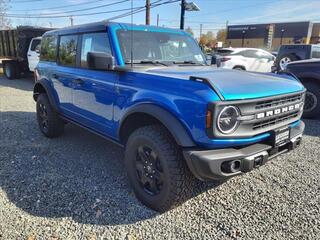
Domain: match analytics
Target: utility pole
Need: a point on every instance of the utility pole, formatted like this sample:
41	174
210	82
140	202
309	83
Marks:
147	12
71	20
157	20
227	28
183	10
200	30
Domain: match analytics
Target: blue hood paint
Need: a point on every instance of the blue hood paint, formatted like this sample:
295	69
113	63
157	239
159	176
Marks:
235	84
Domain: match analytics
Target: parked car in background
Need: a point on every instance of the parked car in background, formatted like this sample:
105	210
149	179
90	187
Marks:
295	52
20	49
156	96
248	59
308	71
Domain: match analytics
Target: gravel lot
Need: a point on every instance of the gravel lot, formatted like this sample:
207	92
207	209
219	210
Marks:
74	187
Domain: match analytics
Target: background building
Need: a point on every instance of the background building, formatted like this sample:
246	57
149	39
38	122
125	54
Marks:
271	36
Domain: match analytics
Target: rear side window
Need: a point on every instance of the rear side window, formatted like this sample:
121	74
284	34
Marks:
248	53
94	42
68	50
224	52
48	48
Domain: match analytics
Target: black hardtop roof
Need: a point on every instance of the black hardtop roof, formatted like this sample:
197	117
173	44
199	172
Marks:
89	27
92	27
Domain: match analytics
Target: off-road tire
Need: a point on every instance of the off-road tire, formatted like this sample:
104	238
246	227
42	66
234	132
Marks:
313	92
178	183
55	125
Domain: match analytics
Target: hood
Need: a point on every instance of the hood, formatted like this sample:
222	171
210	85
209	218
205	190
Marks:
235	84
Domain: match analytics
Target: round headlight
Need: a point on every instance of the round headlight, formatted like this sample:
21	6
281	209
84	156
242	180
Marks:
228	119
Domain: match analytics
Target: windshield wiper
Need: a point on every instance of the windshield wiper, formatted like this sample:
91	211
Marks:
155	62
189	62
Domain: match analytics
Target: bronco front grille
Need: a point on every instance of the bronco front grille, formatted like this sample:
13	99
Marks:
279	101
259	116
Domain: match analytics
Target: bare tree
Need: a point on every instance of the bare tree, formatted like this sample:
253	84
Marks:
4	20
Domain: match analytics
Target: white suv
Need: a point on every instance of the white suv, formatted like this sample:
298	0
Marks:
249	59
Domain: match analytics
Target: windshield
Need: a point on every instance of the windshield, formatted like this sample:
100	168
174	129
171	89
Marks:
159	47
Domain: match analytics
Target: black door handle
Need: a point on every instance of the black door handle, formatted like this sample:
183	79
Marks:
29	55
55	76
78	81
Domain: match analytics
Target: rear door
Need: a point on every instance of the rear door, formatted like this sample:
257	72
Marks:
94	90
65	73
34	53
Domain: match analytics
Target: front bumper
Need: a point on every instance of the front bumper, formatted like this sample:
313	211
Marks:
225	163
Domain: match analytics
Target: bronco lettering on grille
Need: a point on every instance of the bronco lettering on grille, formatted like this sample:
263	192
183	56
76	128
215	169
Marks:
278	111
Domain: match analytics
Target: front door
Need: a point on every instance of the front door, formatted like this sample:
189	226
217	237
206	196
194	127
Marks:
94	90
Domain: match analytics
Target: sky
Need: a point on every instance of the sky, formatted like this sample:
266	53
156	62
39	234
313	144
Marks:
213	14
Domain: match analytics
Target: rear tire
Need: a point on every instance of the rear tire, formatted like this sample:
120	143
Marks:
312	102
10	70
156	169
50	124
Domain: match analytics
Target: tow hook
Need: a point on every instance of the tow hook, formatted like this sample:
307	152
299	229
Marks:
254	161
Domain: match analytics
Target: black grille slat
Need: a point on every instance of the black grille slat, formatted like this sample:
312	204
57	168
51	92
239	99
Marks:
278	102
274	121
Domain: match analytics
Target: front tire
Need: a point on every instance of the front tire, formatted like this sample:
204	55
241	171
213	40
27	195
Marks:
312	101
50	124
156	169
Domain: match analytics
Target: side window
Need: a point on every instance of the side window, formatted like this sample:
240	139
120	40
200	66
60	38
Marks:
94	42
315	52
34	45
48	48
68	50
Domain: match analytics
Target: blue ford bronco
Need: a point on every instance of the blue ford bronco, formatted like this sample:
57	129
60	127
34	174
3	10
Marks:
151	91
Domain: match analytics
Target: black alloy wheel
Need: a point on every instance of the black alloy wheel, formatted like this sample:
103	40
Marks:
149	170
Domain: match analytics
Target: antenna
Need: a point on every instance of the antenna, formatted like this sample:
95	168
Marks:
131	42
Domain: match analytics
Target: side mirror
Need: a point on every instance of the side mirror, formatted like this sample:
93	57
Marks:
100	61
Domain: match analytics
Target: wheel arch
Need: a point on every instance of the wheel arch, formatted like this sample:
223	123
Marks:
147	114
43	86
239	66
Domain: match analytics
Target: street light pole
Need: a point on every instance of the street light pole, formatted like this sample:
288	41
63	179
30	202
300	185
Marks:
183	11
243	33
282	32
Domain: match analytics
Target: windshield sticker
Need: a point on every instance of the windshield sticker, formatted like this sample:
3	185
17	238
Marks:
199	57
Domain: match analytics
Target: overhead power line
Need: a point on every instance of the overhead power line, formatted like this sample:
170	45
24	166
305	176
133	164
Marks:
25	1
135	10
72	11
59	7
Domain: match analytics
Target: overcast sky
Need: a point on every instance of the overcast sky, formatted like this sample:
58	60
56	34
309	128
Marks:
213	14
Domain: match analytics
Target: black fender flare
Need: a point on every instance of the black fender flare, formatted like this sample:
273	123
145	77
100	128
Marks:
175	127
308	75
45	84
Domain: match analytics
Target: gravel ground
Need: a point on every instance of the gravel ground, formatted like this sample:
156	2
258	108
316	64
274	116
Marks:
74	187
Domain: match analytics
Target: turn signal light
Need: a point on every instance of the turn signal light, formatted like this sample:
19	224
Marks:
209	119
